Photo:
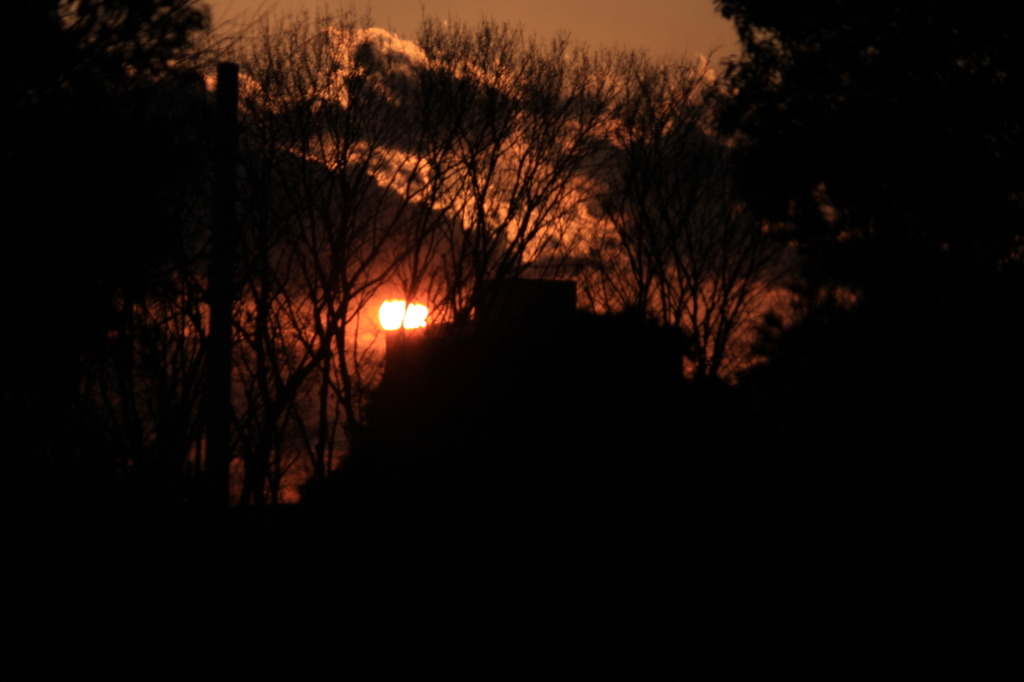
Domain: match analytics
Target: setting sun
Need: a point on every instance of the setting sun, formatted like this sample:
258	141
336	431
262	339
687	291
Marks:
397	314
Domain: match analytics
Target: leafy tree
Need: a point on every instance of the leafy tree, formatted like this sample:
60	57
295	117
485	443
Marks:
97	150
883	136
880	139
85	47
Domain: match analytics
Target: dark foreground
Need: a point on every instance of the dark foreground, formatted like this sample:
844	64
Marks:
553	590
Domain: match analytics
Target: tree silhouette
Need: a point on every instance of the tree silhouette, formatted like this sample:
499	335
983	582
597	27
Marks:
377	166
882	137
335	205
370	168
517	124
672	238
99	150
96	47
877	139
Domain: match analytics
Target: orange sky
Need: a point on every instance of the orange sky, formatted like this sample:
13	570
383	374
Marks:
663	27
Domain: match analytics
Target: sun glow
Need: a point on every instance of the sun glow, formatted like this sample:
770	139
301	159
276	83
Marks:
397	314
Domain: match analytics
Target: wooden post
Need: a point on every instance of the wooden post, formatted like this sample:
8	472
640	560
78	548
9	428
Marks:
221	289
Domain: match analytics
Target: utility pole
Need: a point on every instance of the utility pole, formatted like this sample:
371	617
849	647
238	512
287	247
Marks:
221	289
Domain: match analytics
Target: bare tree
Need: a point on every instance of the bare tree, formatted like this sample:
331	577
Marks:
513	126
678	244
374	167
337	204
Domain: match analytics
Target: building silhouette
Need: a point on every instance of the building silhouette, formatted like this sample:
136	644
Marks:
533	400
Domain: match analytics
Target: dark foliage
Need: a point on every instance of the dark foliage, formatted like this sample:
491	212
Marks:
100	148
881	141
884	136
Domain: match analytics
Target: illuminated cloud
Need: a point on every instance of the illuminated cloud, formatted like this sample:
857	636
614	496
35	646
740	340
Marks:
380	58
379	51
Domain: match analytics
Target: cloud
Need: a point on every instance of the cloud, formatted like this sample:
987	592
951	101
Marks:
377	50
388	63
